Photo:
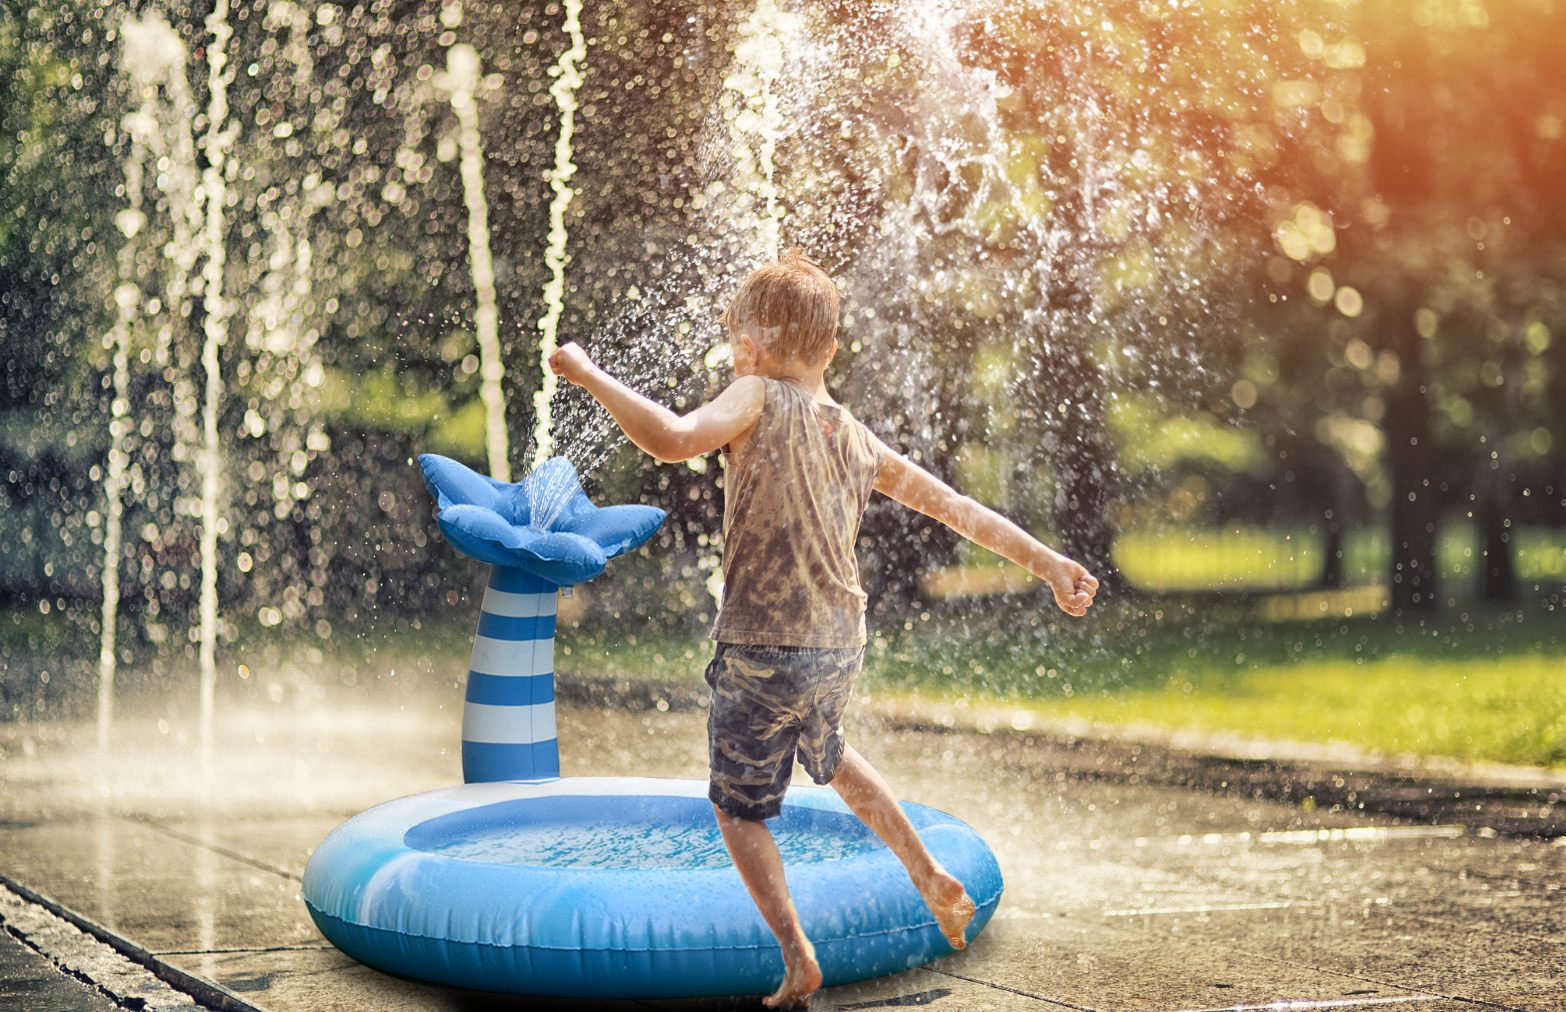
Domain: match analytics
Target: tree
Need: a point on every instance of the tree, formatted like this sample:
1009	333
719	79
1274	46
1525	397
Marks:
1458	218
1079	192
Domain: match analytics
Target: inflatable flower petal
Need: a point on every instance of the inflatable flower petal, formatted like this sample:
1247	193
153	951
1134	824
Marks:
493	521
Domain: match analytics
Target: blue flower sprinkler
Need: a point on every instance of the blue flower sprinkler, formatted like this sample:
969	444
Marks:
523	882
538	535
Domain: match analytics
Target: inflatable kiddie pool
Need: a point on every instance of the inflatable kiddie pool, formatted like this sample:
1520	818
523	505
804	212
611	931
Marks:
621	888
524	882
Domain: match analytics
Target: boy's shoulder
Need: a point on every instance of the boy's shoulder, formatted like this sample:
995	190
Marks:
744	396
745	388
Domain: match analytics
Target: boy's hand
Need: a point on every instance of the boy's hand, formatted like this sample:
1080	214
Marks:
1074	587
571	363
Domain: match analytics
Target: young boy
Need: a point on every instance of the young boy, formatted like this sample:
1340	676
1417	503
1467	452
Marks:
790	630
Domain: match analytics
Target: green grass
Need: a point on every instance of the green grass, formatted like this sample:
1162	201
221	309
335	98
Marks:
1481	687
1182	559
1472	710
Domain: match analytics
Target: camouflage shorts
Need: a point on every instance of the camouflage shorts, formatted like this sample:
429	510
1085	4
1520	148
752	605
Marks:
766	703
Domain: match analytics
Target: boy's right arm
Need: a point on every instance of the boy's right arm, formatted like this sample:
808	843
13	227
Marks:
920	490
657	430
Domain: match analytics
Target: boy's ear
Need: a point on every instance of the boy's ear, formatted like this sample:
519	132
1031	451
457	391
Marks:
748	345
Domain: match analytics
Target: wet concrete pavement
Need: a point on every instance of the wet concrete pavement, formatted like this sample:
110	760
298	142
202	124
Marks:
1131	882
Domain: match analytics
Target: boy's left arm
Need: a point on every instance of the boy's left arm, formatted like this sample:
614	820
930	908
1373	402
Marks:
920	490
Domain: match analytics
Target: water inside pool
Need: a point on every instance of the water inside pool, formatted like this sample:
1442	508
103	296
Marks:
641	845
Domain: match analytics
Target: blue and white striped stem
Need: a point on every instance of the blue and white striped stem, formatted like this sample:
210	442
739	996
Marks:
508	720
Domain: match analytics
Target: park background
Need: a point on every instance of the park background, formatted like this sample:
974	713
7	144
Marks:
1256	309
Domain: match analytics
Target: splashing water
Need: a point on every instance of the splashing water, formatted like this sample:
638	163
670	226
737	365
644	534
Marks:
567	80
548	490
126	298
154	55
936	175
756	122
1015	237
462	73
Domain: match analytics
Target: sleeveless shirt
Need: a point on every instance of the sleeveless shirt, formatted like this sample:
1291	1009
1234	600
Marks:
793	499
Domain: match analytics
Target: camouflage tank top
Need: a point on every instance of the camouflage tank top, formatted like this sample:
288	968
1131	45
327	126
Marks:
793	499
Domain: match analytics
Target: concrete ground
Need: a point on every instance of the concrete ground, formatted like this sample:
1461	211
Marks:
1129	884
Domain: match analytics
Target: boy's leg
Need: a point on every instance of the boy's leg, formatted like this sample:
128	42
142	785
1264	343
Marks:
863	790
760	866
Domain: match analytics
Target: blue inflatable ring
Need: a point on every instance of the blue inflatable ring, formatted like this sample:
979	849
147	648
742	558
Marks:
621	888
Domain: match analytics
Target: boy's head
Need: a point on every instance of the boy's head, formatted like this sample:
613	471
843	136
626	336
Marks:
789	306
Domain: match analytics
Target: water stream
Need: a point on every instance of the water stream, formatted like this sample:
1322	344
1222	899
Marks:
214	182
756	122
568	79
153	58
464	79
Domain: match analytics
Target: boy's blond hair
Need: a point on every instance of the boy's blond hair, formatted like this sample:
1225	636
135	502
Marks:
791	307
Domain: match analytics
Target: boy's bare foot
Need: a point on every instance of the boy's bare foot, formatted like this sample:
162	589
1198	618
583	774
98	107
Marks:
951	905
801	981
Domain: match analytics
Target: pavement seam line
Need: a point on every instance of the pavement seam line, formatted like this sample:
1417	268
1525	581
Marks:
1003	987
31	943
1319	1003
202	992
235	952
196	841
1519	879
1433	995
78	956
1490	928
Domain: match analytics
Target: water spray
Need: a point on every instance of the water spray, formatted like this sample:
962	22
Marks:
758	121
153	54
127	300
185	212
462	77
567	80
219	137
754	124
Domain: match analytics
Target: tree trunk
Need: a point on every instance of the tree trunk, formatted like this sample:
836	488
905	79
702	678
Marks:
1334	574
1499	574
1086	476
1412	575
1493	514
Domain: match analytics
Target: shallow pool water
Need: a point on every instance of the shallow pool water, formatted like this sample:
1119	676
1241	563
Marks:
641	845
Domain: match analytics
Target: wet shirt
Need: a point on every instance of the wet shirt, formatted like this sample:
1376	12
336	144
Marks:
793	499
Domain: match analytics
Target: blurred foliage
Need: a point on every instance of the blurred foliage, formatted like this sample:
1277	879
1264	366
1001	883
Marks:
1111	269
55	230
1149	436
1405	348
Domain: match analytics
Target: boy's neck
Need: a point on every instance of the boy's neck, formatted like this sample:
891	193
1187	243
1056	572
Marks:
752	358
807	378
